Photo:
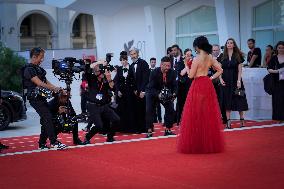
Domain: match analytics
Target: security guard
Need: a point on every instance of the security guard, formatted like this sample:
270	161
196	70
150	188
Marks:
34	77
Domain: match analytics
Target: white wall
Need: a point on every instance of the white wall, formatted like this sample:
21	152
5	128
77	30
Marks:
246	18
144	25
178	10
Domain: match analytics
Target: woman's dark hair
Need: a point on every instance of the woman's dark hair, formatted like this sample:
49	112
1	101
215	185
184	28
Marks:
123	57
36	51
237	53
186	50
123	53
202	43
270	46
276	46
169	49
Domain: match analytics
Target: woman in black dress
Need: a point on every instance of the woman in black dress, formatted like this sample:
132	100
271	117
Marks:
125	98
231	80
276	63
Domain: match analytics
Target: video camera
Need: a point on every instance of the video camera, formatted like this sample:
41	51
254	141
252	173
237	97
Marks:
64	124
67	67
166	95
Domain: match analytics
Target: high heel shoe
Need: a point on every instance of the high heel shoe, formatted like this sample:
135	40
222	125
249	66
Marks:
228	124
242	120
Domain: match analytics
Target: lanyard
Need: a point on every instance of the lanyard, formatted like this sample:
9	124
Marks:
101	86
165	78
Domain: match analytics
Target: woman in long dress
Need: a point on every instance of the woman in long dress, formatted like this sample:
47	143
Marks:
201	126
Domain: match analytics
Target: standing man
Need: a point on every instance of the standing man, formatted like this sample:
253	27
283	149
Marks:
158	112
183	81
254	55
141	72
34	77
162	88
217	55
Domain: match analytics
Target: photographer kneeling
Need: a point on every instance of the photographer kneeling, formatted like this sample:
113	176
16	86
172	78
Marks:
162	87
64	115
34	80
98	100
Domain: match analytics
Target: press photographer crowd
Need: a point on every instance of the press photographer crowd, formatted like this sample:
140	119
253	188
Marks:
130	102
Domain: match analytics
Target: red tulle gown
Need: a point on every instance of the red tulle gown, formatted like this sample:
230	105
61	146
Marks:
201	126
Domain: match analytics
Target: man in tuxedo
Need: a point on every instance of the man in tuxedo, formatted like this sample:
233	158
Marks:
162	82
158	113
183	81
141	72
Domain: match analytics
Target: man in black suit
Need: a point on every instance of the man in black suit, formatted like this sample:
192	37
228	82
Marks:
162	80
183	81
141	72
158	112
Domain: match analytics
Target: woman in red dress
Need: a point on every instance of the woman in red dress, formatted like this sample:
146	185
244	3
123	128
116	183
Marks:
201	125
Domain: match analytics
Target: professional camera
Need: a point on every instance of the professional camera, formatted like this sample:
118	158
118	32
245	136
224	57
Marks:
165	95
107	67
67	67
64	124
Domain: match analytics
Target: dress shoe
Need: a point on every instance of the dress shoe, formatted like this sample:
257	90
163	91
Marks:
149	135
169	132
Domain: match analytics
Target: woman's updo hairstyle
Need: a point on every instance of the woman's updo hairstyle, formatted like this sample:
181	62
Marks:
202	43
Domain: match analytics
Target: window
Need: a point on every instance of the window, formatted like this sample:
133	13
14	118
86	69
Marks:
201	21
268	23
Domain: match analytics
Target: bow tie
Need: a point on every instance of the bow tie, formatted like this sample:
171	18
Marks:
125	70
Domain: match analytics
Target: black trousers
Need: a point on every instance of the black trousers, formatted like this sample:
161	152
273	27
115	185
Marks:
151	103
97	115
83	102
221	105
158	113
140	112
181	97
47	127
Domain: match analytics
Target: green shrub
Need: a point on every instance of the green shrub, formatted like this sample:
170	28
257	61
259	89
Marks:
10	69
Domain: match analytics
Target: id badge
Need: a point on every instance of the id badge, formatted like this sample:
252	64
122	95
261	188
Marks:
99	96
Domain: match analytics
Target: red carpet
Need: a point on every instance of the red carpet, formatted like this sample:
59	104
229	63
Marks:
27	143
253	159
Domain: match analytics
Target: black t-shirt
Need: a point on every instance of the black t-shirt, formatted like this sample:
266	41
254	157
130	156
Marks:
99	92
30	71
257	62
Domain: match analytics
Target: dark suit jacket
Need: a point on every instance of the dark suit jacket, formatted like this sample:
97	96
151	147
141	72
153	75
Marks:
178	67
156	83
141	76
124	84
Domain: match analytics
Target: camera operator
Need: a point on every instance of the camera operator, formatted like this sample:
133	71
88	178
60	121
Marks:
98	100
59	105
34	76
162	88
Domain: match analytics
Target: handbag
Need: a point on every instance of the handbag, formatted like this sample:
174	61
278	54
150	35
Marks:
239	92
269	84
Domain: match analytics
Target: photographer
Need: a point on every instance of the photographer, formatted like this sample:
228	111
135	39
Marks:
34	77
162	88
98	100
59	107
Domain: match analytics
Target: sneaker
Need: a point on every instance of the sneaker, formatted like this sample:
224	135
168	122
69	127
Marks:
2	146
59	146
111	139
86	142
169	132
43	147
149	135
